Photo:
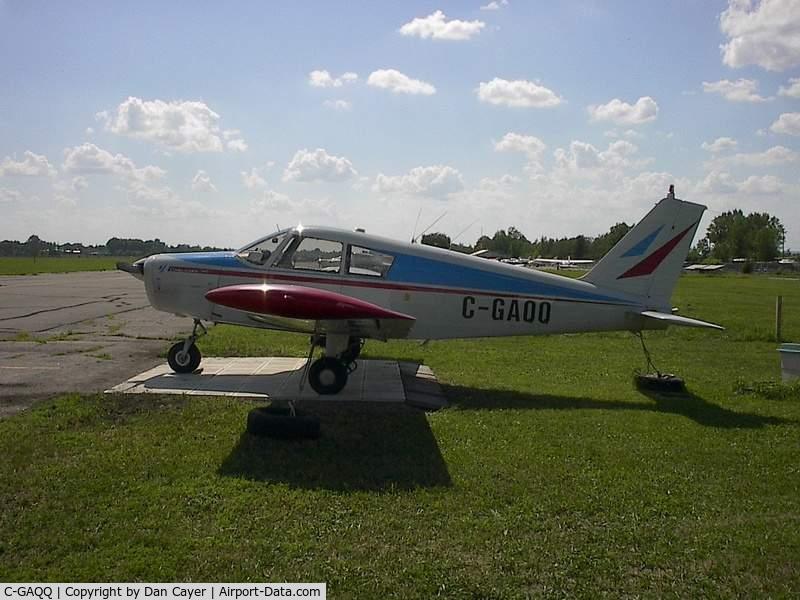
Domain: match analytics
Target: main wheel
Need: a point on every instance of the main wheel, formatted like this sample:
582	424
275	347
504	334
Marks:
183	362
353	351
327	375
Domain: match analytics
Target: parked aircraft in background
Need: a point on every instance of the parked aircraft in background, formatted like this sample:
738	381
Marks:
560	263
342	287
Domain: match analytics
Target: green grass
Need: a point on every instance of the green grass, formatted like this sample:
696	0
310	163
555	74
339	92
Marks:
58	264
550	474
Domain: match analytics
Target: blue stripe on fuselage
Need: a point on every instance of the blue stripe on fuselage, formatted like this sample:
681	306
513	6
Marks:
212	259
427	271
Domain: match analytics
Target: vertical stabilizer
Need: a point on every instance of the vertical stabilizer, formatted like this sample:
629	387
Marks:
648	260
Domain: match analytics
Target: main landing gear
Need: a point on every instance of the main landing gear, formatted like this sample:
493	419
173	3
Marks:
184	357
328	375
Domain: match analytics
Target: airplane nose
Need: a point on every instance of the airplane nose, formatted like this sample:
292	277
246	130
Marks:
136	269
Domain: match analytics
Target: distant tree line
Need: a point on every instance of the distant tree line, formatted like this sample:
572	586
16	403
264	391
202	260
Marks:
512	242
34	246
755	237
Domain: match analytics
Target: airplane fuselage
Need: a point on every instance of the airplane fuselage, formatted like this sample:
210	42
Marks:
449	295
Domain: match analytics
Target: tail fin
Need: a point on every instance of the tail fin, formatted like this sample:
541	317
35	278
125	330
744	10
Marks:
648	260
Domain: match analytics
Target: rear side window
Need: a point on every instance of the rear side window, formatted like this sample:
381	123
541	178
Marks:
371	263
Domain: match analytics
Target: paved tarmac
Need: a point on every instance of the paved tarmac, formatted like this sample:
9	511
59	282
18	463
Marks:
76	332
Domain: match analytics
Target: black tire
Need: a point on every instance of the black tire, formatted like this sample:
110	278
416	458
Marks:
663	382
353	351
327	375
183	362
277	422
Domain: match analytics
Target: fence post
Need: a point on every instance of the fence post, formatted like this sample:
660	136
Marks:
778	317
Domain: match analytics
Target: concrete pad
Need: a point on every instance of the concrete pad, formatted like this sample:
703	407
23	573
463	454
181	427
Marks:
278	378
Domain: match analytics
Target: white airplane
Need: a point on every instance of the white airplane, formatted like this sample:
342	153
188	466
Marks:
560	263
343	287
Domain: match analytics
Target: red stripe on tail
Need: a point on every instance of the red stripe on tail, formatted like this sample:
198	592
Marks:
650	263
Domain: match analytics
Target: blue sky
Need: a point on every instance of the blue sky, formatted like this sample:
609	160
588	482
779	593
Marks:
212	123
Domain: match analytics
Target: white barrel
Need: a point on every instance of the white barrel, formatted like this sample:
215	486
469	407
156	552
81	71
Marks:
790	361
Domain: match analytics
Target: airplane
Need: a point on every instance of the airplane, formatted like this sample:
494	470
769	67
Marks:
560	263
344	287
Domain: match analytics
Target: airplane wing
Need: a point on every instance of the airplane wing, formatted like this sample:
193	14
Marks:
299	308
670	319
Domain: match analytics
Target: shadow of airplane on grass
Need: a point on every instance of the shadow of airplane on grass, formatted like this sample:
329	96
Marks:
390	446
372	447
687	404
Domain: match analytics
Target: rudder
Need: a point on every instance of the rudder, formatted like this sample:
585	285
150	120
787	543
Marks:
648	260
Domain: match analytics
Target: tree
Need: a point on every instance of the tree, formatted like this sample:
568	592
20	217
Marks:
34	246
440	240
700	252
757	236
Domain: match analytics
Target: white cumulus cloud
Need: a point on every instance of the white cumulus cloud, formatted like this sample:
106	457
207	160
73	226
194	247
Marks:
761	184
253	180
201	182
775	156
399	83
340	105
271	202
432	181
495	5
518	93
721	144
88	159
323	79
741	90
787	124
78	184
644	110
31	165
436	26
793	89
529	145
185	126
584	159
717	182
765	33
7	195
318	165
237	145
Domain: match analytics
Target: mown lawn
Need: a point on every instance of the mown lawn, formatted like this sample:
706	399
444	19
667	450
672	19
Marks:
57	264
550	474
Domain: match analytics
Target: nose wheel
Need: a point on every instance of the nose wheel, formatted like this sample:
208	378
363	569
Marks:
184	361
184	357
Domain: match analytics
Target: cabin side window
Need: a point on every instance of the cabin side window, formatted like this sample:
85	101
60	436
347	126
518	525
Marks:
313	254
368	262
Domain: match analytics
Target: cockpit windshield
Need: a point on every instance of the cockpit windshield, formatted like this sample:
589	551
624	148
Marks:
259	252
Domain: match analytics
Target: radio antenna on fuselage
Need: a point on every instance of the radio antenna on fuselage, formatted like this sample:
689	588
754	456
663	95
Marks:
463	231
439	218
414	233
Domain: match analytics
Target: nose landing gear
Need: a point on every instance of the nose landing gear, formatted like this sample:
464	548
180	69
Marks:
184	357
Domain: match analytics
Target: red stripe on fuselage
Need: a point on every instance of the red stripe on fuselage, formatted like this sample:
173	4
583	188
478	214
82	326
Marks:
267	277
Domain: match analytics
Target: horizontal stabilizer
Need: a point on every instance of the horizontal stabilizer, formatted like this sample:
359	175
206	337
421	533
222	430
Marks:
678	320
